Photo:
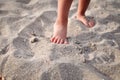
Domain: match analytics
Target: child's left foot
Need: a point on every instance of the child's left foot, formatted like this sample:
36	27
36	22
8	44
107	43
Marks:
89	23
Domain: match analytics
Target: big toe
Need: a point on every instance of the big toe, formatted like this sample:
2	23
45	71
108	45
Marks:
91	23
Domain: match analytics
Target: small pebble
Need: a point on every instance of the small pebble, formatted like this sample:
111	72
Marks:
34	39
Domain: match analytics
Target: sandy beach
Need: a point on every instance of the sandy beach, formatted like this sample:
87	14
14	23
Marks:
26	52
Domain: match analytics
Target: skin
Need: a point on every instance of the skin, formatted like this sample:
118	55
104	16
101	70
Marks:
60	26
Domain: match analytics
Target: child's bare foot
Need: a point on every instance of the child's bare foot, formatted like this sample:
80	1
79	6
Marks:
59	35
87	22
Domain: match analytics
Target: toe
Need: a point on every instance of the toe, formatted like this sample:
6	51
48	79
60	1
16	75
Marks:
91	23
87	24
58	41
55	40
61	41
65	41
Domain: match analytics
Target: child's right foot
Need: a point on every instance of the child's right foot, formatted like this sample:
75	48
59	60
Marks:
60	33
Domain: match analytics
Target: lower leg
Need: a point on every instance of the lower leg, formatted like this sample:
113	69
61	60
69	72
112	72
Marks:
60	26
63	11
82	7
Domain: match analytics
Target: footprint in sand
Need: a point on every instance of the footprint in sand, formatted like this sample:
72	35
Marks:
23	54
3	12
48	17
63	71
104	58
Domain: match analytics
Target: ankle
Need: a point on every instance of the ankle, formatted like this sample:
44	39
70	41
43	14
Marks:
80	15
61	22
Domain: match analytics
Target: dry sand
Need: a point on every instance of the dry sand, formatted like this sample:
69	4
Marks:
27	54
